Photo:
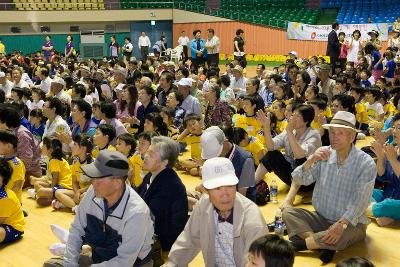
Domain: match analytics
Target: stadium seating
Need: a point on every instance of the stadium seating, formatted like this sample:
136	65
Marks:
38	5
358	11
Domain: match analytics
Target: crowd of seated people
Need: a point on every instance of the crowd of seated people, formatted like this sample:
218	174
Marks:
104	140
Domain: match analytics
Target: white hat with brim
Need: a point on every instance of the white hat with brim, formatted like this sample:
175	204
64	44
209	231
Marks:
217	172
342	119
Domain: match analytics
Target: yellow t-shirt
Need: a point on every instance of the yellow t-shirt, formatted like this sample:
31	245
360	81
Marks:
251	125
97	150
389	109
136	163
173	132
11	210
64	170
361	112
76	171
2	49
327	113
18	174
254	147
281	126
195	147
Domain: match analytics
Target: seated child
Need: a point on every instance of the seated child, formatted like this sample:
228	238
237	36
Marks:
374	108
191	136
365	76
38	97
126	144
154	123
250	144
319	107
361	112
38	124
341	85
144	139
278	108
8	149
248	121
105	133
270	250
12	220
96	118
168	115
58	173
82	154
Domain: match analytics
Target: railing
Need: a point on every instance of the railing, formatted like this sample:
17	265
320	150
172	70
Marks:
112	4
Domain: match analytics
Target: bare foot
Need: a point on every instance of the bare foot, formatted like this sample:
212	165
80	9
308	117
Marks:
369	210
383	221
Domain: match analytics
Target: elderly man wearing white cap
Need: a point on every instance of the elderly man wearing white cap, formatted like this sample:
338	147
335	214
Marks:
57	89
190	103
344	178
222	225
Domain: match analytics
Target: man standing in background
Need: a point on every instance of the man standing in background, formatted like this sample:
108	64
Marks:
184	41
47	48
212	46
333	48
144	44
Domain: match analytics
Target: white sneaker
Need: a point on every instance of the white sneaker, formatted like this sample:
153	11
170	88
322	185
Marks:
31	193
57	204
60	233
57	249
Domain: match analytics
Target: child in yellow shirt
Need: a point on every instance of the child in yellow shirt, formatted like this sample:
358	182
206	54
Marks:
168	115
278	108
12	219
361	112
105	133
8	147
58	173
144	142
126	144
82	153
191	136
249	143
249	121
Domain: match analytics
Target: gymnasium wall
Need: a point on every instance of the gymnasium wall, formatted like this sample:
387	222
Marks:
258	39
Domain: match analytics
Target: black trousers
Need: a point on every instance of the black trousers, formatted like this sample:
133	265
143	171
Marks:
185	53
333	62
212	59
144	51
274	161
196	63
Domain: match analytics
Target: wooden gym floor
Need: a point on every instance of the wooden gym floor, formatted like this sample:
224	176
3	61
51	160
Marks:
381	245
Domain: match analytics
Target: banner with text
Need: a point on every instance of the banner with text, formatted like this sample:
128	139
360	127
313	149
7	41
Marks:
300	31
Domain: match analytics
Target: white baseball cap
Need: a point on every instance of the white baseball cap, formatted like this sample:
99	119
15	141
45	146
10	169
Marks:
212	142
218	172
186	82
119	87
2	74
294	53
86	68
58	80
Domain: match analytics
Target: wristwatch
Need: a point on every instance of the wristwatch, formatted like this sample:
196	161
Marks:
344	225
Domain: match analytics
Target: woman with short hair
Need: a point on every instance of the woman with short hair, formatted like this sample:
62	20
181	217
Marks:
217	111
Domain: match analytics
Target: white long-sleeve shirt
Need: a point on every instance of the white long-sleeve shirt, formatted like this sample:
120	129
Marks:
144	41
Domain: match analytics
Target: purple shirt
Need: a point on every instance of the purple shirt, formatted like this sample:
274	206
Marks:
47	53
68	47
28	150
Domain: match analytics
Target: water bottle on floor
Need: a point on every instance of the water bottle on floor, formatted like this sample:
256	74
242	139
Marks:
279	229
274	191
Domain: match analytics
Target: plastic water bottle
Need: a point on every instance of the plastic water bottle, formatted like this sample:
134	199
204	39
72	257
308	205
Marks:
279	229
274	191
